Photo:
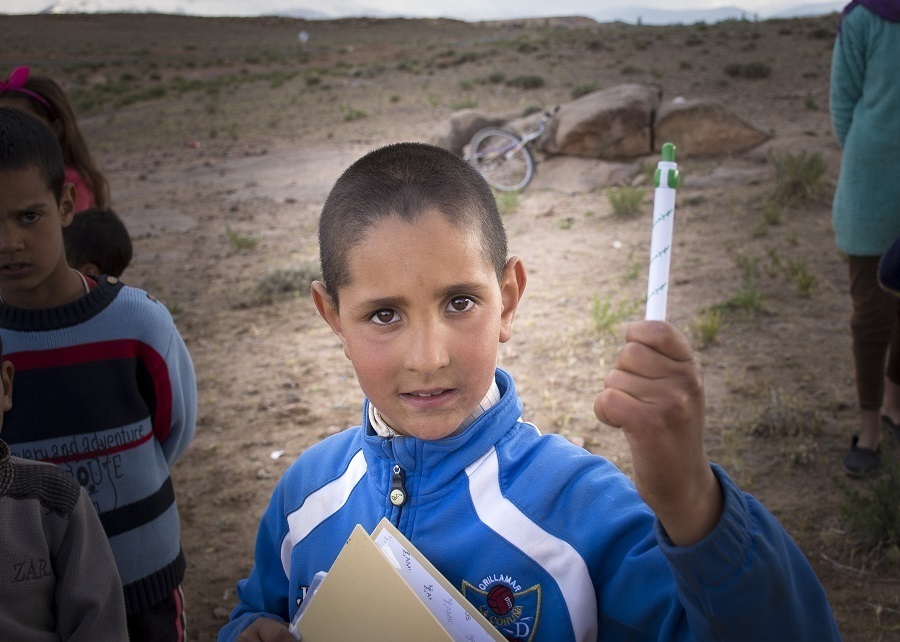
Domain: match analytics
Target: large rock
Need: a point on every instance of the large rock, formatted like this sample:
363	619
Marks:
458	131
728	175
570	175
704	128
809	143
610	124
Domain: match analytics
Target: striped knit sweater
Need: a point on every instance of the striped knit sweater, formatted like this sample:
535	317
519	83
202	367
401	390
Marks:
105	389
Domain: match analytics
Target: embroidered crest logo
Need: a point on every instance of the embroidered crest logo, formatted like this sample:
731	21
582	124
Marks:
502	601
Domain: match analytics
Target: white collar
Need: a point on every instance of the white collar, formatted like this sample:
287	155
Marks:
381	427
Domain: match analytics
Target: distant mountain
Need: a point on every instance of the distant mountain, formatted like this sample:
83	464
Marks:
648	16
314	10
207	8
811	10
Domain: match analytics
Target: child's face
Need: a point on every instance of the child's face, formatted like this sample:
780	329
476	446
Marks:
33	270
421	319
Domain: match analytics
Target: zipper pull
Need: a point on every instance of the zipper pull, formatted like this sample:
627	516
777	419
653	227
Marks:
398	489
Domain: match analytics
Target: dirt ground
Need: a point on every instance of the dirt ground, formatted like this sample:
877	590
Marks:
221	138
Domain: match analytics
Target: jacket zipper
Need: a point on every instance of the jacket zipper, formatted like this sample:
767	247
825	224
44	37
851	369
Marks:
398	494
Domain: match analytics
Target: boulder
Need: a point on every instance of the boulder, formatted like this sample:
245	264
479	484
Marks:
570	175
704	128
610	124
726	176
456	133
810	143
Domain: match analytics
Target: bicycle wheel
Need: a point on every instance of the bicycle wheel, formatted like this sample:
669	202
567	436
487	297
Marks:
495	155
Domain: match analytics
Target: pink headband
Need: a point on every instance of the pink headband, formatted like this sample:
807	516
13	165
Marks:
17	83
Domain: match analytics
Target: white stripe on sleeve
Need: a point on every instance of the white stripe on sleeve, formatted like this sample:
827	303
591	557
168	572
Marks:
319	506
554	555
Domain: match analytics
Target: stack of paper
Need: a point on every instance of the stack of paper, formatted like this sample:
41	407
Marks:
382	588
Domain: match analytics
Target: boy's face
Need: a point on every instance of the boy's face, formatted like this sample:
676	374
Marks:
33	270
421	319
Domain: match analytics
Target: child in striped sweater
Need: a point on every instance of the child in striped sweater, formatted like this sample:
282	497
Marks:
111	394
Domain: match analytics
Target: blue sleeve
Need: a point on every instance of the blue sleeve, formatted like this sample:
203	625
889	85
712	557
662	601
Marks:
848	69
184	397
265	592
747	580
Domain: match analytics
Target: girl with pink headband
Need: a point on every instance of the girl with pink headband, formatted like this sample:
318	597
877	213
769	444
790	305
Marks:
43	98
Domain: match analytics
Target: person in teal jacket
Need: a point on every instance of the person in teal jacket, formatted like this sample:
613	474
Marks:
865	114
548	541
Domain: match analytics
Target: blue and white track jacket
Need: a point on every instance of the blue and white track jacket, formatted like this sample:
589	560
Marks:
548	541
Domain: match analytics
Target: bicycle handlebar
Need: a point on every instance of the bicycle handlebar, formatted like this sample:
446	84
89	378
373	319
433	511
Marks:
549	114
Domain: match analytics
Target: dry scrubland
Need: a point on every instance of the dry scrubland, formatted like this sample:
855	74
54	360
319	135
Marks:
221	138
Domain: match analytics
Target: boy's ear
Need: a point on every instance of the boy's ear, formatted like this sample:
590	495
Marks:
88	268
67	204
328	311
511	289
6	378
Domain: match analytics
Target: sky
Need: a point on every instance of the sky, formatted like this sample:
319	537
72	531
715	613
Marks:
461	9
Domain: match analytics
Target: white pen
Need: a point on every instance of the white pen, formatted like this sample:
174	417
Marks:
665	181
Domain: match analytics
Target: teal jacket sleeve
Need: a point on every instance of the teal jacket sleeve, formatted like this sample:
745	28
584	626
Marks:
848	67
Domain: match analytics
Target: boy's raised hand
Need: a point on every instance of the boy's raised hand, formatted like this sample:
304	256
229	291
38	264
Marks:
655	395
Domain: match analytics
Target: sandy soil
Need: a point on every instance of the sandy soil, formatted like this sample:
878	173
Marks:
221	139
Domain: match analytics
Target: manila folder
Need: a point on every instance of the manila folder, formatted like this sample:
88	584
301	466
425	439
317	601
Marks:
366	597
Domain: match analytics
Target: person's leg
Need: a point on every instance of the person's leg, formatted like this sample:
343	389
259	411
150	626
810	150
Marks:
872	322
869	429
890	407
163	622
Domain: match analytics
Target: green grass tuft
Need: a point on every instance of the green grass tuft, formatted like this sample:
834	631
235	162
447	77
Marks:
873	511
626	201
607	316
706	326
526	82
747	299
507	202
241	241
797	177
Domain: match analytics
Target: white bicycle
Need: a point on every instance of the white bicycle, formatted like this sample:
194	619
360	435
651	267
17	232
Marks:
503	158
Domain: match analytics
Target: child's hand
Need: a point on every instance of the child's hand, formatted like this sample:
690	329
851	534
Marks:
266	629
655	394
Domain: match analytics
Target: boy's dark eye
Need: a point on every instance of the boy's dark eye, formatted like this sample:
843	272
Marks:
30	217
383	317
460	304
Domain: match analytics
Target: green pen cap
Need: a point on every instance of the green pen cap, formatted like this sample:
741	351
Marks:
668	153
668	156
